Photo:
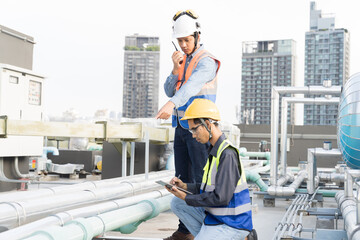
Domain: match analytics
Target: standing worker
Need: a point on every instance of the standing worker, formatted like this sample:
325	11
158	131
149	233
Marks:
219	207
194	75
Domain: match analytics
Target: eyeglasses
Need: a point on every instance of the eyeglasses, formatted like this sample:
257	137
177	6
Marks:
193	130
189	12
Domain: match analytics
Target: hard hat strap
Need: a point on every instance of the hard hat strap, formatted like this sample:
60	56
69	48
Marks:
209	130
196	36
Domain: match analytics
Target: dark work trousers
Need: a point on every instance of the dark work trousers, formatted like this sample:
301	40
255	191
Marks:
190	159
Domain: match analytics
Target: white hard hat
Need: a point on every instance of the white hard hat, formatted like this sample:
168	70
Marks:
185	25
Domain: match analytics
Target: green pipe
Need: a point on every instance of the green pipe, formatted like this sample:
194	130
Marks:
87	228
325	193
265	155
256	178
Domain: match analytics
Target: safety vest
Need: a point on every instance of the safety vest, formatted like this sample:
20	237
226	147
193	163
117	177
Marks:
208	91
237	213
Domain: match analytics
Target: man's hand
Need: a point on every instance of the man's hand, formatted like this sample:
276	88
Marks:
177	182
177	192
165	111
177	59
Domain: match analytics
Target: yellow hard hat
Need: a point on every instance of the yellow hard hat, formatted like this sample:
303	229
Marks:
202	108
99	165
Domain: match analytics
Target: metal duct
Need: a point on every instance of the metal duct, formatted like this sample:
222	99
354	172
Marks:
275	95
284	121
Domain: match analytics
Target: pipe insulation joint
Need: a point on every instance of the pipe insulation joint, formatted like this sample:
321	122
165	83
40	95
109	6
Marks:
132	227
85	227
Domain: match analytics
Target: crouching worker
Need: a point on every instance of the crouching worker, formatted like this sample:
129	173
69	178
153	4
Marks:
219	207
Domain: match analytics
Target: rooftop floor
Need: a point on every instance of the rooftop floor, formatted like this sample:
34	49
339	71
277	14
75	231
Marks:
265	220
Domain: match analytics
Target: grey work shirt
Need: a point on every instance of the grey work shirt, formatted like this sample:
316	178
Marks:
226	181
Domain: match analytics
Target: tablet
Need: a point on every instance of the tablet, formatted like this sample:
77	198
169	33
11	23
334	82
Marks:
168	185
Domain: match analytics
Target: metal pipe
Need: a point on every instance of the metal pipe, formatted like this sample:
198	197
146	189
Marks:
291	220
88	228
3	177
147	149
53	150
305	207
274	135
348	209
357	205
290	190
62	218
348	185
123	159
284	108
312	170
324	192
276	91
17	171
132	159
282	222
284	179
331	177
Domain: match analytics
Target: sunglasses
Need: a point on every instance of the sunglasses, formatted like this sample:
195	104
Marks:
189	12
193	130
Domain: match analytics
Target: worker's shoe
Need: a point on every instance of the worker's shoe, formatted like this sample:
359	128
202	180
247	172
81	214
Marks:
180	236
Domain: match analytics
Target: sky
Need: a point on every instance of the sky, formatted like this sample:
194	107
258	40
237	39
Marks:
79	43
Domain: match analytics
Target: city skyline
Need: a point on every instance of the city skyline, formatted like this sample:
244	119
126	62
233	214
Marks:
80	49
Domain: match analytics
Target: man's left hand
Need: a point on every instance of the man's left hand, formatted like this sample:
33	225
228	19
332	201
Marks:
177	192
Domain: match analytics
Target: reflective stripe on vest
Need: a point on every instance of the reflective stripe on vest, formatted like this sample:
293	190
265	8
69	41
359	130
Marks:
208	91
208	184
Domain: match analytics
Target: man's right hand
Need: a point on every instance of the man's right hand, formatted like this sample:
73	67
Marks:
177	57
166	111
177	182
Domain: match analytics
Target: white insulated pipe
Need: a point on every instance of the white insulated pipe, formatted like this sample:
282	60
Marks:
284	123
349	208
59	219
291	189
275	96
311	159
284	179
16	213
86	185
88	228
331	177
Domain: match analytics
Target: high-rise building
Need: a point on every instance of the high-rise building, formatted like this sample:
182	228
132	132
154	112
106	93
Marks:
265	64
326	59
141	76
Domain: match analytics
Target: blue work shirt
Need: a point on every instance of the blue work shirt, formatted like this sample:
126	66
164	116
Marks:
204	72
